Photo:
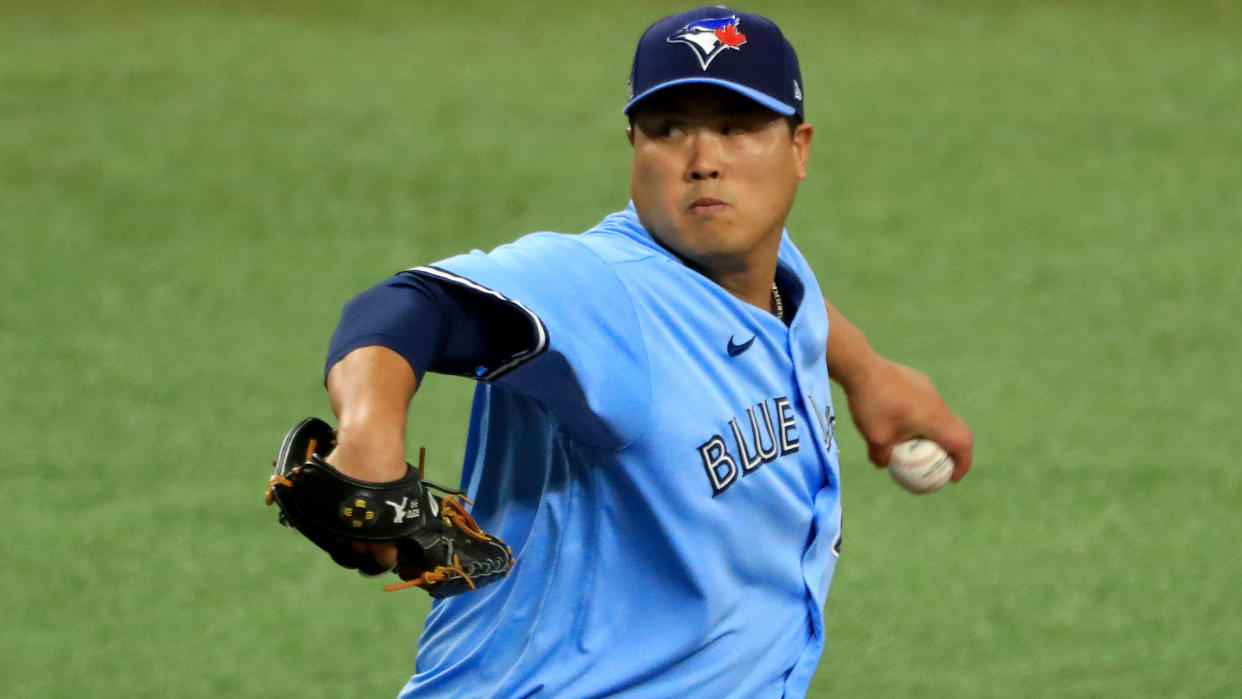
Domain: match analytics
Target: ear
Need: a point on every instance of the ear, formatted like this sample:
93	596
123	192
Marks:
802	147
629	133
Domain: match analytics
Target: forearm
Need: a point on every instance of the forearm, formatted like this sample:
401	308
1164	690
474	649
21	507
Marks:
891	402
851	358
370	391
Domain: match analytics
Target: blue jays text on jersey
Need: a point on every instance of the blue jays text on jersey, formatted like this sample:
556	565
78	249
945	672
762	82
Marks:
767	439
661	460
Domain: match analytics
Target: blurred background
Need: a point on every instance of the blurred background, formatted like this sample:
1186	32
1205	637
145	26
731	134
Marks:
1037	203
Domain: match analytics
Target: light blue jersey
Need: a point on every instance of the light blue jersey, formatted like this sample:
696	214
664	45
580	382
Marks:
663	465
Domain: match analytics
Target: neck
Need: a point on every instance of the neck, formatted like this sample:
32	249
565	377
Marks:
748	276
749	280
754	286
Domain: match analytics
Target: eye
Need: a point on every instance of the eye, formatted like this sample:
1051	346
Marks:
662	129
732	130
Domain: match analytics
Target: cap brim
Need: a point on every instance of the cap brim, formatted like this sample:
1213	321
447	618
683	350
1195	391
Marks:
773	104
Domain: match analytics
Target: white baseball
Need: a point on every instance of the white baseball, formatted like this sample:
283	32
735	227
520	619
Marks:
920	466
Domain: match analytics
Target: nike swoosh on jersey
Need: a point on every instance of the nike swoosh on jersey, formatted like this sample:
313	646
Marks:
735	349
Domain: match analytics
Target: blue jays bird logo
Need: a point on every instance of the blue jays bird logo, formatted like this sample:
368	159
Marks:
709	37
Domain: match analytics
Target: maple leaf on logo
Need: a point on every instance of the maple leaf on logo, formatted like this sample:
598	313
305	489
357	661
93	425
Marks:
729	36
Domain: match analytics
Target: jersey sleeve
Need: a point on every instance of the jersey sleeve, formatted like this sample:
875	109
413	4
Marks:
436	326
587	359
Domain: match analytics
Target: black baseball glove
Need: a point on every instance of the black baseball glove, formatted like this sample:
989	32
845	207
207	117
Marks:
440	547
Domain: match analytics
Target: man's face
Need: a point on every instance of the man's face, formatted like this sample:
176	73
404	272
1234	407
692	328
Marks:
715	174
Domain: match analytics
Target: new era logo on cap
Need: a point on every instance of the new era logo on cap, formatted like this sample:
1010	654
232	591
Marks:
715	45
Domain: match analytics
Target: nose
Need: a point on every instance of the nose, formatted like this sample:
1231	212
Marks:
705	156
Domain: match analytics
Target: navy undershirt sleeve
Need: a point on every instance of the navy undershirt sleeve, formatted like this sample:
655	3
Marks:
436	326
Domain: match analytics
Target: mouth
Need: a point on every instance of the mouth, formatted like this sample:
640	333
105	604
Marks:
706	206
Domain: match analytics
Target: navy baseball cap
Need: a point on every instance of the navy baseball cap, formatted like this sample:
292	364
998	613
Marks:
715	45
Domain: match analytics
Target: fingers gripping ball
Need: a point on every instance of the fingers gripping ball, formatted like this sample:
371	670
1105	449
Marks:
440	547
920	466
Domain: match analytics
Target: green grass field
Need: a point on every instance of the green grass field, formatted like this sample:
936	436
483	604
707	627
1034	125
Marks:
1039	204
